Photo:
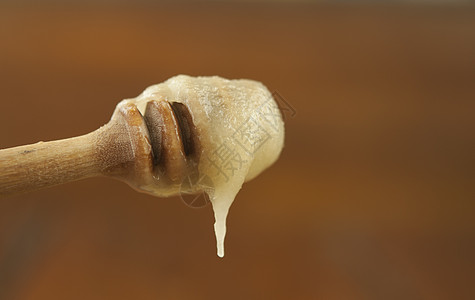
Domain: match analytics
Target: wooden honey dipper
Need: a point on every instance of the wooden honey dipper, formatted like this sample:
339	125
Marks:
218	131
133	148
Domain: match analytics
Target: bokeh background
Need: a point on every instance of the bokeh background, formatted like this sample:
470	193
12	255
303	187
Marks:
372	198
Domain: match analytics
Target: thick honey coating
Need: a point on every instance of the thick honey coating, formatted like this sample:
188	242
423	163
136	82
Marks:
240	130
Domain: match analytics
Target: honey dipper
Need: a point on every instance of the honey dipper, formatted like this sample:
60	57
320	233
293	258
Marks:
217	131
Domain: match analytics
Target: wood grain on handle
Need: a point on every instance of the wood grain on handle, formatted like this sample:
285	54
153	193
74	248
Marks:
120	149
44	164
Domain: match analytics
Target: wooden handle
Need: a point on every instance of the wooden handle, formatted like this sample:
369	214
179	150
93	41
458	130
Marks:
44	164
120	149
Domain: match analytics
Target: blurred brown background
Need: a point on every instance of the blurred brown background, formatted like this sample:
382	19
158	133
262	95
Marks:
373	197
